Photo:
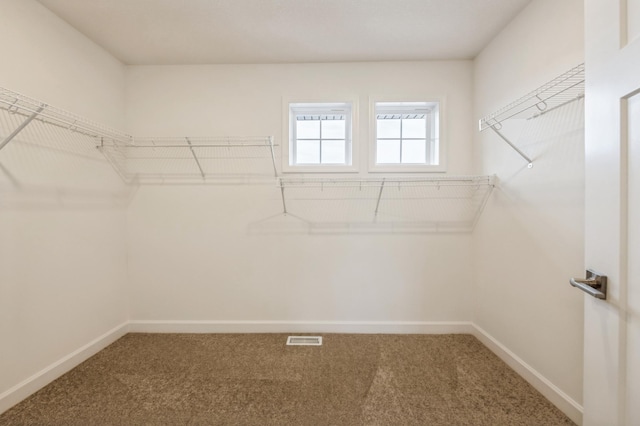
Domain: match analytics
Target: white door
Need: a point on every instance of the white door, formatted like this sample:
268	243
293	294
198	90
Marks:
612	132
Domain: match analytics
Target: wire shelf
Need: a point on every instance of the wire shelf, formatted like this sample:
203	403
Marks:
444	204
211	159
20	105
141	160
554	94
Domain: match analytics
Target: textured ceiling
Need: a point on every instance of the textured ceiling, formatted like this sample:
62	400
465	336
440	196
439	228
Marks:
280	31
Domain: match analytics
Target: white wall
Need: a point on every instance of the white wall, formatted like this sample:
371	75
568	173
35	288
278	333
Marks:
191	256
62	242
530	239
63	266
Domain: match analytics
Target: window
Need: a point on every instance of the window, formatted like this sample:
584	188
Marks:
320	135
406	136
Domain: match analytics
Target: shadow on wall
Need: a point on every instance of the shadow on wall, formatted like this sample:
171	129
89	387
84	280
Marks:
378	205
545	203
554	141
43	176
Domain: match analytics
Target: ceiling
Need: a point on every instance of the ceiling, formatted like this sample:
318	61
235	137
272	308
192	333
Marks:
142	32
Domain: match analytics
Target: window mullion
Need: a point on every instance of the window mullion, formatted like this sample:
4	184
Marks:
347	131
304	137
414	115
400	139
294	145
427	140
320	143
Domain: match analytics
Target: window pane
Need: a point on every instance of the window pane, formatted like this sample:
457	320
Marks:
308	129
388	129
333	129
333	152
388	152
308	152
414	128
414	152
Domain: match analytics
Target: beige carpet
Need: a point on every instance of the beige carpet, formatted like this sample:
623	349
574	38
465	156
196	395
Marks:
254	379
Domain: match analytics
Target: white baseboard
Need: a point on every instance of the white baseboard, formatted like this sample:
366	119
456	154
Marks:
564	402
22	390
560	399
364	327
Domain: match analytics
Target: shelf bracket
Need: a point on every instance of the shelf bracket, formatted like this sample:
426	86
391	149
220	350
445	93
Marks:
284	204
195	157
273	157
24	124
379	197
504	138
121	170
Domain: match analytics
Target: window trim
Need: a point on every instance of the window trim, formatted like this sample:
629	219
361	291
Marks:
316	110
407	167
288	132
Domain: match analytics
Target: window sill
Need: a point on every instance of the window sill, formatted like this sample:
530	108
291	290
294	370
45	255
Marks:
407	168
319	169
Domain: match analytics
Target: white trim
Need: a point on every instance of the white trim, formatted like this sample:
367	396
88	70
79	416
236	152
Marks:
441	167
22	390
42	378
363	327
564	402
354	167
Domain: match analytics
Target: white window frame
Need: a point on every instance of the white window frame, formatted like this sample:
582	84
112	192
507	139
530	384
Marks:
436	127
291	108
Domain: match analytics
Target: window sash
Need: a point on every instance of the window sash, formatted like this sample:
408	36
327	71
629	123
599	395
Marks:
405	115
407	110
315	113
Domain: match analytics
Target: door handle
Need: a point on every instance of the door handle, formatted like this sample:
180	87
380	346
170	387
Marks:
595	284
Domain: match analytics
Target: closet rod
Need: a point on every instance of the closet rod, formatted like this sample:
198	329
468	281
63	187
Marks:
577	98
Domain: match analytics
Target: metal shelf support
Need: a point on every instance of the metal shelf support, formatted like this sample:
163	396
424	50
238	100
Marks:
424	204
21	127
150	160
558	92
522	154
273	157
379	197
195	157
284	204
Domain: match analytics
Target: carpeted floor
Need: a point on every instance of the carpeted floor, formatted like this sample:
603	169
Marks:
254	379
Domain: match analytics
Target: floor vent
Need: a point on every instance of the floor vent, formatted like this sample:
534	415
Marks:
304	341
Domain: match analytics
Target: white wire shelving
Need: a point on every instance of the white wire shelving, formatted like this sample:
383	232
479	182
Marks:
443	203
196	160
141	160
438	204
558	92
30	109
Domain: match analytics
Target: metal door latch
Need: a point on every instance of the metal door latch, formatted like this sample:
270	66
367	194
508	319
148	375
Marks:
595	284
